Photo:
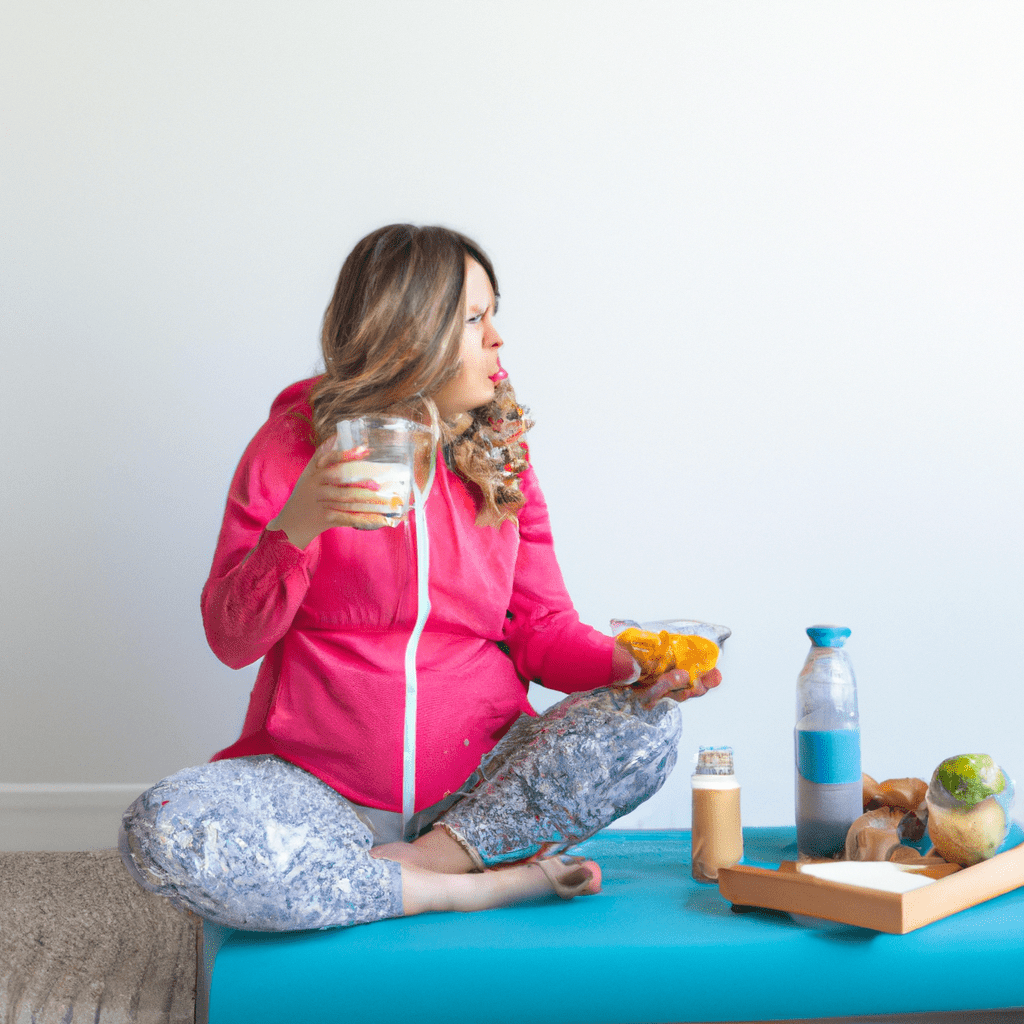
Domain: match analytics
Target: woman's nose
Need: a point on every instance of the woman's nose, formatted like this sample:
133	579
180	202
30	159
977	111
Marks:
492	339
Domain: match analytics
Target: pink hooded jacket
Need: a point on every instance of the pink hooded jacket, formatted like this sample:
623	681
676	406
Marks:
332	624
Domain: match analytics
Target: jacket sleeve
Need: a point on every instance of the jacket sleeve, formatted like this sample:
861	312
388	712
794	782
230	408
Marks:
545	637
259	578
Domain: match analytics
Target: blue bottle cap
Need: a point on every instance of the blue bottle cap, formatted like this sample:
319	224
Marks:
828	636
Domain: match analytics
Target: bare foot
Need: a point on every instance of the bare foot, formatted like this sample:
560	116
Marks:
428	890
578	877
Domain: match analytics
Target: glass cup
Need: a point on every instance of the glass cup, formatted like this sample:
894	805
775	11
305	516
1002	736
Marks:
684	627
387	470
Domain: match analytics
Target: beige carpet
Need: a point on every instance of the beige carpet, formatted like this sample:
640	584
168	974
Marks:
81	942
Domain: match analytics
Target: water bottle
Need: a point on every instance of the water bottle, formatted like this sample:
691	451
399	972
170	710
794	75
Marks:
827	745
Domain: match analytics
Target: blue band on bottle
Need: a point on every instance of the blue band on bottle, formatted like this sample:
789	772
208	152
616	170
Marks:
831	756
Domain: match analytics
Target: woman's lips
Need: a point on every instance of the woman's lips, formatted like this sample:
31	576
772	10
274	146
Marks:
500	375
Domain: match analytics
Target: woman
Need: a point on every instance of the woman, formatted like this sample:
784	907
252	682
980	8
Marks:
390	756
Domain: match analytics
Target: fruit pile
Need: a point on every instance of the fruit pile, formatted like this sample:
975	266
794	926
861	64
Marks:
965	811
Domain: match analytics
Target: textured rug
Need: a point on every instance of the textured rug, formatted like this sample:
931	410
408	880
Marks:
80	942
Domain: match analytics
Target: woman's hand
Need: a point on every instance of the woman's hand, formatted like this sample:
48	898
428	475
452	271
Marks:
675	684
319	498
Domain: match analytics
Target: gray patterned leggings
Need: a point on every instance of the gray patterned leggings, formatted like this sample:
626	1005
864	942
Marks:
260	844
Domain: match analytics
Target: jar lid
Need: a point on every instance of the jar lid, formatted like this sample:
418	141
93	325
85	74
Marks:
714	761
828	636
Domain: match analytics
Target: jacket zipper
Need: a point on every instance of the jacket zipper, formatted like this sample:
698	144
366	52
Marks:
422	612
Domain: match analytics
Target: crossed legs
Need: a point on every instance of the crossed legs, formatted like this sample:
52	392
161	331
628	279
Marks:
260	844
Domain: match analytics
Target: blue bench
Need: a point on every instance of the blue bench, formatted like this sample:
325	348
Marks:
653	946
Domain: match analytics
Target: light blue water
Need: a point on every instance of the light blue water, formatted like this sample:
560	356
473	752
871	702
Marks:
829	792
831	756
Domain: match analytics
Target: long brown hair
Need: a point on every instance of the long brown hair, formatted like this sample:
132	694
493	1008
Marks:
391	338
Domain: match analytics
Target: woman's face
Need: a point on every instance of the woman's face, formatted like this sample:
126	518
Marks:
479	367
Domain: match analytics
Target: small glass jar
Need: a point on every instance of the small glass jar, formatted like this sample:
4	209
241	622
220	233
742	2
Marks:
716	835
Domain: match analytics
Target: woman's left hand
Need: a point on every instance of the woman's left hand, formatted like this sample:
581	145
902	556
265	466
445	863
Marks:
675	684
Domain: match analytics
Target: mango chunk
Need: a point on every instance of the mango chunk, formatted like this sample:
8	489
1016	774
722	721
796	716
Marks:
657	653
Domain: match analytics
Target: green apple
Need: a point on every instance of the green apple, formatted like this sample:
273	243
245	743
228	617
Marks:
968	808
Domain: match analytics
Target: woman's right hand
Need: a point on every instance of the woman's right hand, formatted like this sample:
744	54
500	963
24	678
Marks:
319	498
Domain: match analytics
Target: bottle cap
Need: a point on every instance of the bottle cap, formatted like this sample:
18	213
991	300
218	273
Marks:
828	636
714	761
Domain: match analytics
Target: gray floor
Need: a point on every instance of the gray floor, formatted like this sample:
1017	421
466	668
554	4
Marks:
80	941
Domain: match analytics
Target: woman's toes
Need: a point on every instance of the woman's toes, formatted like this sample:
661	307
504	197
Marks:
571	876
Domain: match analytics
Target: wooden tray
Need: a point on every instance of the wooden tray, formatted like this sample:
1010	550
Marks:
788	889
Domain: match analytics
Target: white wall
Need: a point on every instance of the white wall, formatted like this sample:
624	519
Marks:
761	273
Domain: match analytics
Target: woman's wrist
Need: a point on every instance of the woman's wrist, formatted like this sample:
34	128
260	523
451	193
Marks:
625	668
296	536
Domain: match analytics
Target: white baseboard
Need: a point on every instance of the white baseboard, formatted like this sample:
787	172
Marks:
62	817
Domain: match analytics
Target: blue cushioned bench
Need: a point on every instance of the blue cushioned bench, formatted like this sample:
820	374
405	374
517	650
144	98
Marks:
653	946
